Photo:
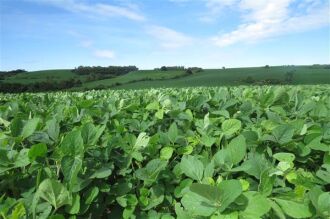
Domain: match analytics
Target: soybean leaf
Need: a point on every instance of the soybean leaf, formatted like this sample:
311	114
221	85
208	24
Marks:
159	114
277	209
283	133
219	197
166	153
104	172
192	167
70	168
153	106
182	187
54	193
91	195
323	203
75	206
257	206
314	194
316	144
284	157
37	150
72	144
141	141
231	126
150	172
180	213
266	183
29	127
324	173
237	149
16	127
156	196
211	193
294	209
90	133
230	215
229	190
53	129
173	132
254	165
197	205
22	158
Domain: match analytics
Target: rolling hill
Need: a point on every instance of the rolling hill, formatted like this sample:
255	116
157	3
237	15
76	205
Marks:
316	74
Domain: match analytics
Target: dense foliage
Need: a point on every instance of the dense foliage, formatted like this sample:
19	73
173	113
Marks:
13	71
49	85
4	74
171	68
239	152
110	70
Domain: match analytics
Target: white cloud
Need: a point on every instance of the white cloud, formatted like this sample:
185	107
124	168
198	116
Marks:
169	38
107	54
266	19
84	41
213	8
104	10
179	1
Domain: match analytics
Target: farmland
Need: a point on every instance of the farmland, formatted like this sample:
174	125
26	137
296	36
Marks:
205	152
314	74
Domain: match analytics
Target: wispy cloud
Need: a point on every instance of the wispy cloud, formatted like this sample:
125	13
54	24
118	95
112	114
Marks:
267	19
214	9
179	1
85	42
169	38
107	54
98	9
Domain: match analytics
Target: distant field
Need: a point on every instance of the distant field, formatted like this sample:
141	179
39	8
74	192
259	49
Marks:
156	78
40	76
145	75
234	76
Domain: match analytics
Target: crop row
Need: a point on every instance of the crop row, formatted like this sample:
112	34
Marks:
239	152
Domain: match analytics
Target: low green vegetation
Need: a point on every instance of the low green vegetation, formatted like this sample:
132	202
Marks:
85	78
40	76
224	152
241	76
143	76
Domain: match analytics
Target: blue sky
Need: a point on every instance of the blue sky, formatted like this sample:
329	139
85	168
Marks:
51	34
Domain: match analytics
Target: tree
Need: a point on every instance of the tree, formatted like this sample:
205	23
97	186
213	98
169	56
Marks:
189	71
110	70
289	77
249	80
163	68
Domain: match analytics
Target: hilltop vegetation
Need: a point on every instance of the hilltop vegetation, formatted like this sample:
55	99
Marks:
84	78
227	152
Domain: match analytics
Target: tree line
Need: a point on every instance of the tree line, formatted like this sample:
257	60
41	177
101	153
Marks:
4	74
39	86
288	79
93	73
110	70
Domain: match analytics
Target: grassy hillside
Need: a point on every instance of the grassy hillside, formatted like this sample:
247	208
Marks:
234	76
135	76
39	76
157	78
